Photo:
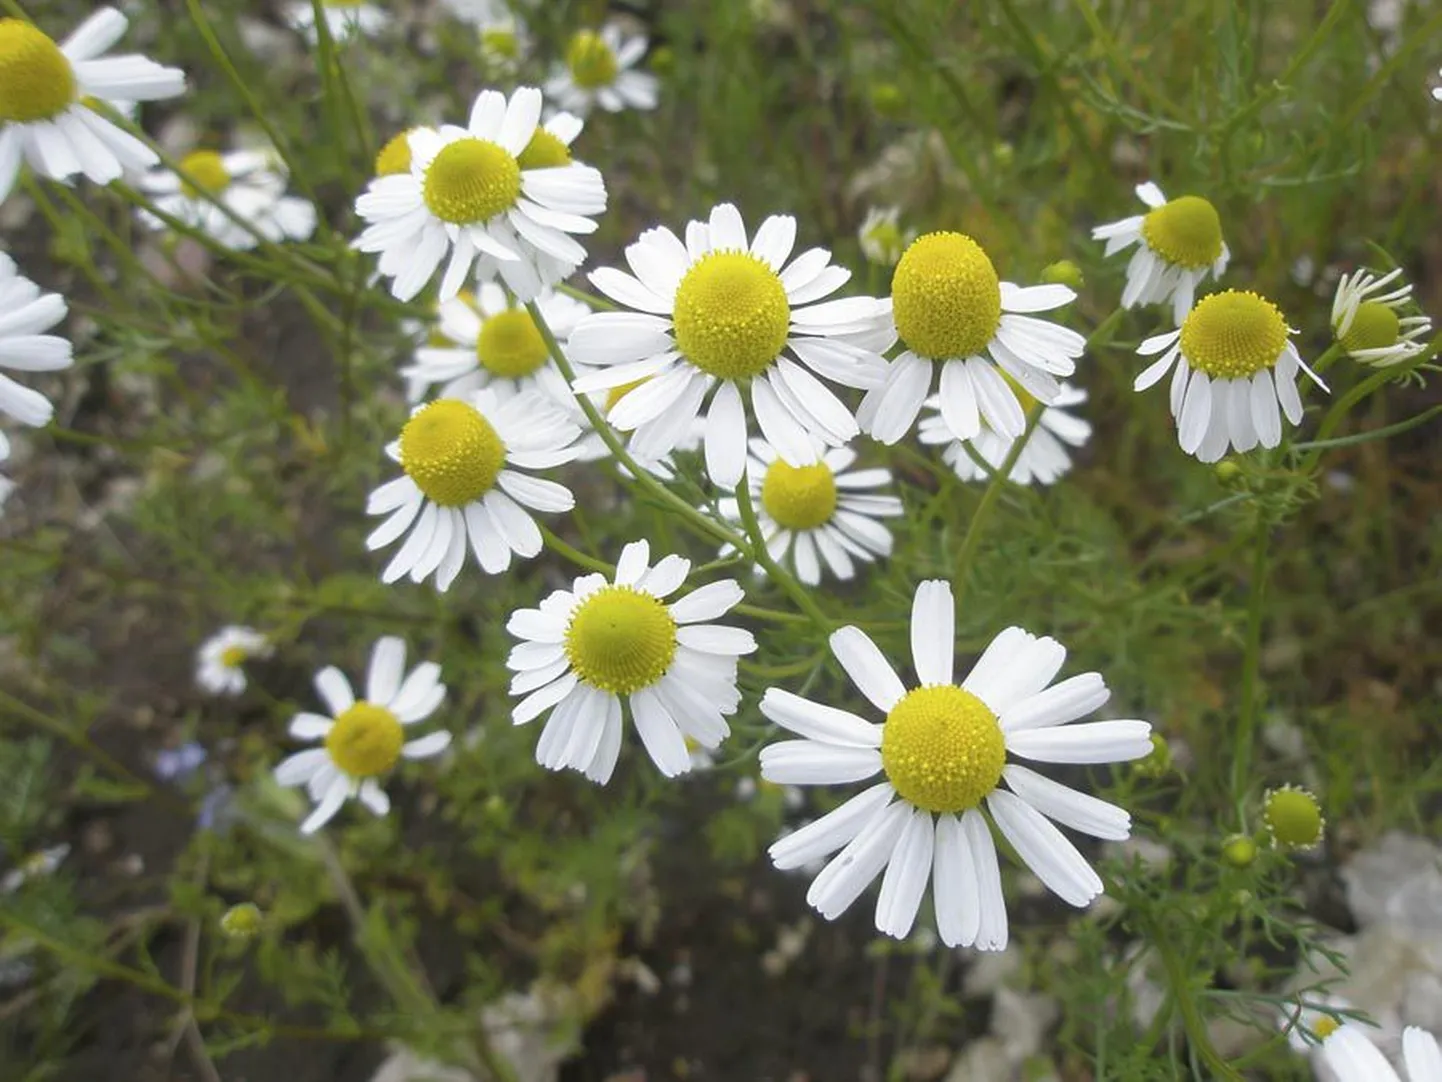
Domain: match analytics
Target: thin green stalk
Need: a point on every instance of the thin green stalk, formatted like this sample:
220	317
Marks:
78	740
1245	735
974	528
762	555
1383	433
580	559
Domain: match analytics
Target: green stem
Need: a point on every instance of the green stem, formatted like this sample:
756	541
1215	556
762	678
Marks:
1251	662
580	559
78	740
762	555
975	527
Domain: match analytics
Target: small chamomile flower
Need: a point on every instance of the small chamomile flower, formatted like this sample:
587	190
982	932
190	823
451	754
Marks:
882	239
502	192
589	651
1044	459
220	661
1353	1058
363	739
503	38
1308	1025
942	751
344	19
1179	242
45	117
1368	323
822	513
598	70
24	313
463	461
952	312
246	182
720	313
1234	365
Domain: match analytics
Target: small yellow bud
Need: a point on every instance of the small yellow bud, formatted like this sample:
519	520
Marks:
662	60
242	921
1228	472
1293	817
1063	272
1159	763
1239	851
888	99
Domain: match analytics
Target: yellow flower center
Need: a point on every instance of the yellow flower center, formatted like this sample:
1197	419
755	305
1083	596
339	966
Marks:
621	640
1293	818
499	43
451	452
233	657
471	180
1375	326
1186	232
1324	1027
36	81
207	170
365	740
731	315
942	748
592	63
946	297
544	151
1233	335
799	497
615	394
510	346
395	156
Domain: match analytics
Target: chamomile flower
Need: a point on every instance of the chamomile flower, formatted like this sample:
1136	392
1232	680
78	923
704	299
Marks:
24	313
344	19
593	651
1044	459
717	312
1179	242
882	239
463	461
1353	1058
942	751
246	182
822	513
363	739
952	311
598	70
1234	365
493	342
1308	1025
1368	324
45	118
220	661
501	189
503	37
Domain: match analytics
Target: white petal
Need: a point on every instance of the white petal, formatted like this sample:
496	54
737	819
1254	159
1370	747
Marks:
832	831
1073	698
954	885
852	870
328	806
306	726
388	661
708	602
426	746
335	690
1091	742
906	876
868	668
726	437
808	762
817	722
992	931
635	558
660	734
1067	806
933	632
1044	849
299	768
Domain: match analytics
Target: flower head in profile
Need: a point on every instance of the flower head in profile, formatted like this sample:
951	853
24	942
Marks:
344	19
953	313
943	752
363	739
1370	324
1353	1058
45	92
737	317
882	239
591	653
245	182
25	313
1044	458
466	479
1234	374
599	70
1179	242
499	195
220	661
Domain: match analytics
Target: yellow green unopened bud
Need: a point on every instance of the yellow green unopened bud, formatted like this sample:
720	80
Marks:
887	99
1004	154
1293	817
1063	273
662	60
1159	762
242	921
1228	472
1239	851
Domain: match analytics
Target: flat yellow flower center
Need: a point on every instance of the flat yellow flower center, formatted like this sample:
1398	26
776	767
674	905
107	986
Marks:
451	452
1375	326
731	315
509	344
1293	818
942	748
36	81
592	63
621	640
945	297
395	157
1186	232
365	740
501	44
1233	335
1324	1027
799	497
471	180
233	657
544	151
615	394
207	170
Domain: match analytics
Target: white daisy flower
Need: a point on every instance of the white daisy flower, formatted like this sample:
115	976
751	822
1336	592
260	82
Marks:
220	661
1178	244
882	239
24	313
246	182
822	513
598	70
44	116
344	19
363	738
718	310
1353	1058
463	461
952	312
503	37
589	649
1367	322
493	189
1234	365
942	751
489	341
1044	459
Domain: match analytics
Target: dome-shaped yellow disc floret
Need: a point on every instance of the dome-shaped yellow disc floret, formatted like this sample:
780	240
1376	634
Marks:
470	181
365	740
1186	232
544	151
1375	326
799	497
946	297
509	344
621	640
592	63
207	169
451	452
1233	335
395	157
731	315
36	80
942	748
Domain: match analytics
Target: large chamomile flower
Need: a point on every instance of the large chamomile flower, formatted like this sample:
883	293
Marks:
590	650
942	751
1044	458
719	312
503	187
24	313
344	19
45	118
463	461
825	512
363	739
952	311
490	341
220	661
1234	365
1353	1058
1179	243
246	182
598	70
1368	322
